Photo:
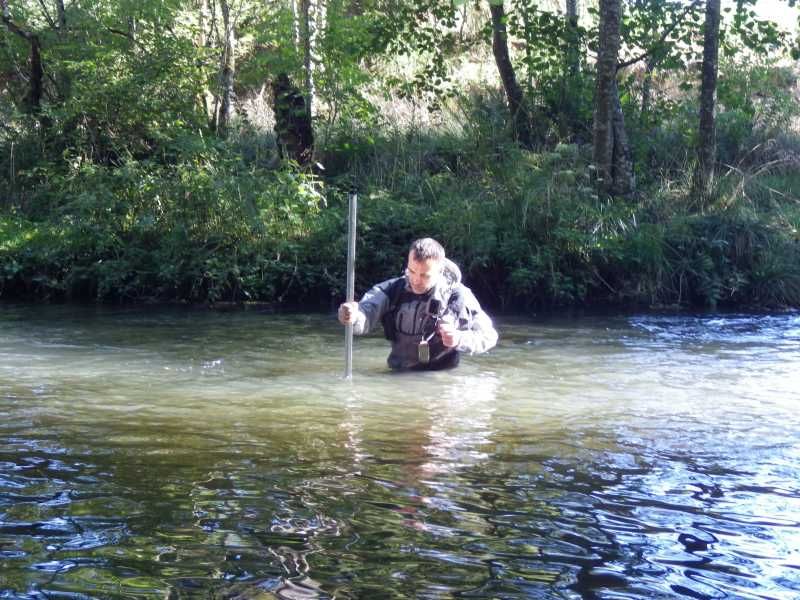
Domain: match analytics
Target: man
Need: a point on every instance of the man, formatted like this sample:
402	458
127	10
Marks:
429	315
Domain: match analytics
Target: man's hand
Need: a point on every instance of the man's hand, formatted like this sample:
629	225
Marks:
451	336
348	313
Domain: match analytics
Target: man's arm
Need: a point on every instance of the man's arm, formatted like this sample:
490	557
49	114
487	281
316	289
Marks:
481	335
365	314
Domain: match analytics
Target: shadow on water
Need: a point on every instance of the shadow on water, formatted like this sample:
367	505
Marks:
170	454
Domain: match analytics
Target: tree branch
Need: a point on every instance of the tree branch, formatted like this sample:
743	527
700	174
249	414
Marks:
13	27
47	15
124	34
214	27
663	38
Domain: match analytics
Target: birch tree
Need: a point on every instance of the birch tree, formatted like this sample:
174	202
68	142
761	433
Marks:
612	154
228	72
606	95
309	23
573	51
706	144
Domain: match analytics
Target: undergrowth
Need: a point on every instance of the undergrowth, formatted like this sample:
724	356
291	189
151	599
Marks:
209	221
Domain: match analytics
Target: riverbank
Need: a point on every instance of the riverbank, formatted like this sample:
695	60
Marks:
526	227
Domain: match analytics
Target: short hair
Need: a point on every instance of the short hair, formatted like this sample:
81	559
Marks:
426	249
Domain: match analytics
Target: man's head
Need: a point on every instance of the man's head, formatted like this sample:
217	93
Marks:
425	263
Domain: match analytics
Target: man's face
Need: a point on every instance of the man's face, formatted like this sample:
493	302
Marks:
422	275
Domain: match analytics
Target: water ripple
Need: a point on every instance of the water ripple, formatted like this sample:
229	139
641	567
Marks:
167	454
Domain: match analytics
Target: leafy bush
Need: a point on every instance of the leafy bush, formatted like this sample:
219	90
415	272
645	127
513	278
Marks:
203	230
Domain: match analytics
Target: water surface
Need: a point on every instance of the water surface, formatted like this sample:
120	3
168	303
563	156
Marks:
175	453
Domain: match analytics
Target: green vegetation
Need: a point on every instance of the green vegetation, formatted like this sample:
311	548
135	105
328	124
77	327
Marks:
123	182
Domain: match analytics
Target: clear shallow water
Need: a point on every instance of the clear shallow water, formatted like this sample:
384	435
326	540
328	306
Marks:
160	453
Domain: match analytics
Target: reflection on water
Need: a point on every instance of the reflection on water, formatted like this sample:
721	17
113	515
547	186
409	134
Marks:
182	454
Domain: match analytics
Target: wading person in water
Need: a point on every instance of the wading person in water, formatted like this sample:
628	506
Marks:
429	315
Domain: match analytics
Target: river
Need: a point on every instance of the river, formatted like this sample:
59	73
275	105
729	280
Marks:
177	453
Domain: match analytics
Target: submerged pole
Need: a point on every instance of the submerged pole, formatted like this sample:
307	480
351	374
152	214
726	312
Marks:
351	279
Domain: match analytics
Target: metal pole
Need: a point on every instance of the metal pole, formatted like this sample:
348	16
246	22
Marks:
351	280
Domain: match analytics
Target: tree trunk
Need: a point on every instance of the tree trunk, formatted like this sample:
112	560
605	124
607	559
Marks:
62	15
33	99
213	40
202	12
622	178
296	18
64	79
612	157
293	131
321	25
706	143
206	97
520	118
647	90
573	52
308	37
133	29
228	71
569	82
